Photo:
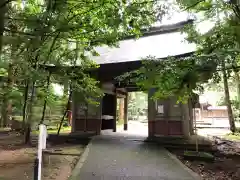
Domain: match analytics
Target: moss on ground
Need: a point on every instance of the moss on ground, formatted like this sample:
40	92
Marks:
233	136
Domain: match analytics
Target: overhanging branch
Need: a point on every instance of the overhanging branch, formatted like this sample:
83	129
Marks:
193	5
3	4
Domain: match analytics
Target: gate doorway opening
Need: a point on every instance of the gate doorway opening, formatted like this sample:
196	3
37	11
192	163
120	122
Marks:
135	122
108	112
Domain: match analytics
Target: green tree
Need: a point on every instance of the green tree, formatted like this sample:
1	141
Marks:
216	54
222	41
51	35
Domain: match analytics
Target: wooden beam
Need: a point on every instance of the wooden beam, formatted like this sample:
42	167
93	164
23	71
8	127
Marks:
121	96
120	91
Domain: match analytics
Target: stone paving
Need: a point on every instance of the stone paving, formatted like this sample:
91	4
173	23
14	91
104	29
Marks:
121	158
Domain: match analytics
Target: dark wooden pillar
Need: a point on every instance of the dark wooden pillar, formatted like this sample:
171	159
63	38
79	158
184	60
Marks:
190	109
125	126
185	120
74	112
115	112
151	113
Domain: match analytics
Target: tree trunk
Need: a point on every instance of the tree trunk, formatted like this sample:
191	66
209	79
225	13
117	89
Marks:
65	95
45	101
69	115
65	112
61	122
65	88
227	98
7	105
25	104
190	111
237	78
3	10
27	136
29	117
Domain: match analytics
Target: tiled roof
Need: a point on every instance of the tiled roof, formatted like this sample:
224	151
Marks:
160	46
160	42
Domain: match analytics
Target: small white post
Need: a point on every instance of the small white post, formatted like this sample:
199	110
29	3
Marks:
44	137
41	145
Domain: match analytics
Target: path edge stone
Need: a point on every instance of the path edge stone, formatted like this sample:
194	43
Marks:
191	172
76	170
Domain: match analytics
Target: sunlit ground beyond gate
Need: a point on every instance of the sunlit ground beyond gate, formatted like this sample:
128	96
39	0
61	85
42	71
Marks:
137	115
136	130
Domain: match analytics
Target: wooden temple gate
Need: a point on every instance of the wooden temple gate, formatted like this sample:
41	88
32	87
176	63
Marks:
165	116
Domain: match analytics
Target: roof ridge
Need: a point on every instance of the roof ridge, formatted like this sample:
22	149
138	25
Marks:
163	29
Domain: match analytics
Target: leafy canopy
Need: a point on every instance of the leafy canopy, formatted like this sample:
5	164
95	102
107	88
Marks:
65	33
180	77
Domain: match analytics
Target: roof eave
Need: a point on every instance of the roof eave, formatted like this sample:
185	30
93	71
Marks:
164	29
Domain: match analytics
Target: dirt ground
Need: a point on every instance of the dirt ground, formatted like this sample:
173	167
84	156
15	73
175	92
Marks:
226	165
17	160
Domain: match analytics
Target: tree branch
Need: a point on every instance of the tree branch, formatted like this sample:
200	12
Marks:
235	7
3	4
193	5
52	45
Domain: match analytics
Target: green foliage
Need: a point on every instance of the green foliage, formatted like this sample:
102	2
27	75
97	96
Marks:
180	77
137	104
172	77
3	72
61	34
221	42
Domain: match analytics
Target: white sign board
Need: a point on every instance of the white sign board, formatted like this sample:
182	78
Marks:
160	109
42	141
